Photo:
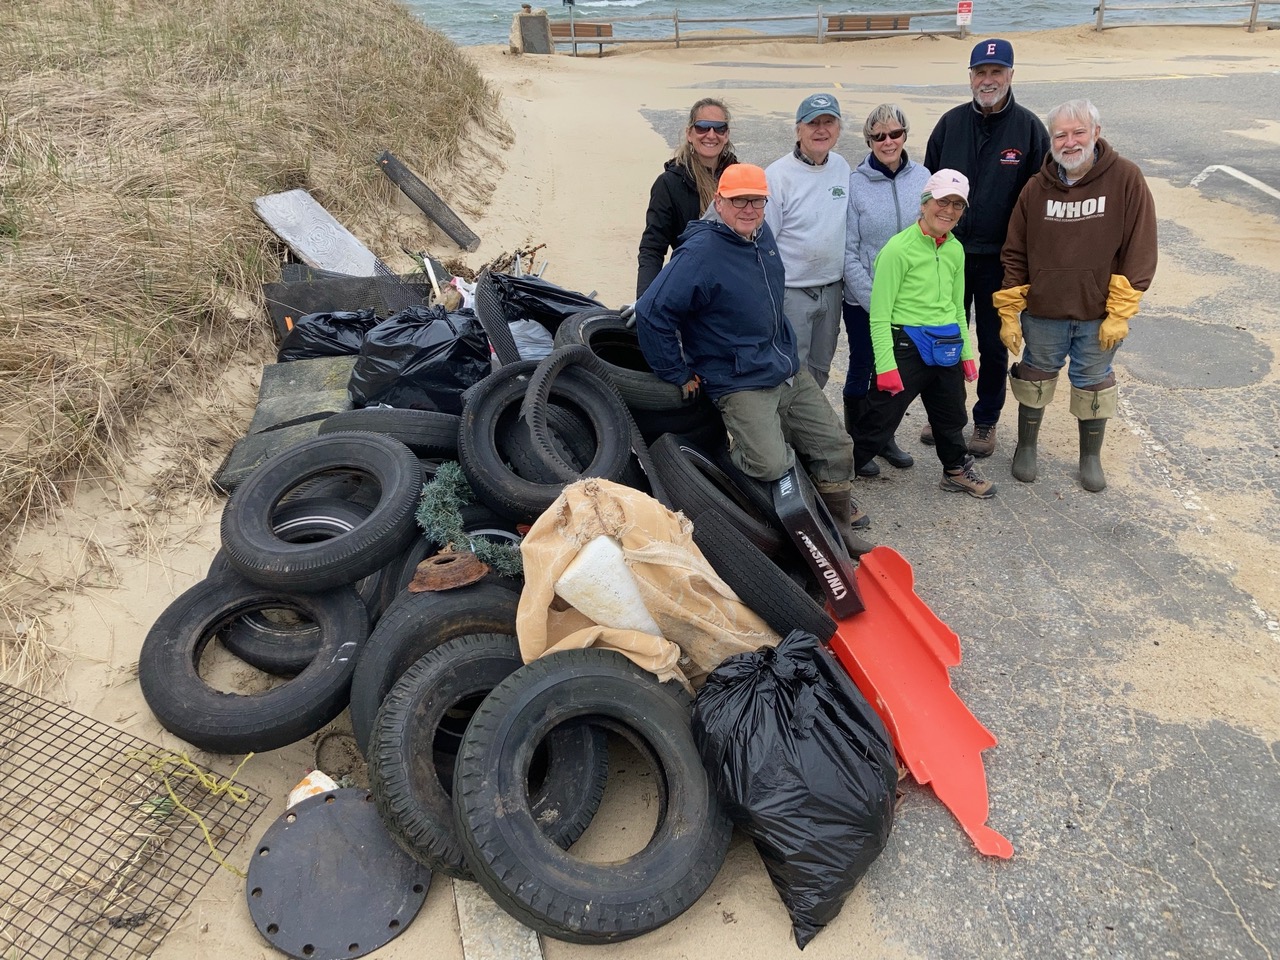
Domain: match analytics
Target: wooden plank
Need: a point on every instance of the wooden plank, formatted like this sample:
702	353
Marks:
488	932
428	201
313	234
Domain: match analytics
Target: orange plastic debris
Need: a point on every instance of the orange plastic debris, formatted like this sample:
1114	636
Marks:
898	653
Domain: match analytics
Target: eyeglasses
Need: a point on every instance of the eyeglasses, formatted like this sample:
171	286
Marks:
956	204
715	126
741	203
889	135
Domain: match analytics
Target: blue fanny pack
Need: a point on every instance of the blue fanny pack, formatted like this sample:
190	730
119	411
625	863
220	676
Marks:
938	346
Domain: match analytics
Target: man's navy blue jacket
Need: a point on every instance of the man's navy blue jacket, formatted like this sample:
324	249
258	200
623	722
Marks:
998	152
720	297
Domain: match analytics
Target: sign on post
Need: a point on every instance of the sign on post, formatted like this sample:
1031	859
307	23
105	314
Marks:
964	13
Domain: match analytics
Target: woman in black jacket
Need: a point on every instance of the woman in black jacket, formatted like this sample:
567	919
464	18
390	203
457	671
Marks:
686	186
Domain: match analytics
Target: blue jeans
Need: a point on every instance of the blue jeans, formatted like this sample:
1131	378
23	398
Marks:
862	359
1050	342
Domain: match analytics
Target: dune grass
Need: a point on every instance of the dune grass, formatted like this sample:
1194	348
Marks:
134	135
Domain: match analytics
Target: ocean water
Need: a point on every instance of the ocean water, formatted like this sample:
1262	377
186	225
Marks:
489	21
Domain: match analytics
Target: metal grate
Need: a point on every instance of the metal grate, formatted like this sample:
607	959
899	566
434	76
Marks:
95	859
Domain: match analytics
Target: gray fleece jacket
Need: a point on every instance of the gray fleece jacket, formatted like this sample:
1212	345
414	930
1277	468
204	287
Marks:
879	207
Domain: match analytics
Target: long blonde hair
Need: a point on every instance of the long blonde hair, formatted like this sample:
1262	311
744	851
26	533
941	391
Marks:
686	158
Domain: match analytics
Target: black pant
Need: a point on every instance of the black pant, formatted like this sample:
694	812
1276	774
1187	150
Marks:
942	391
983	276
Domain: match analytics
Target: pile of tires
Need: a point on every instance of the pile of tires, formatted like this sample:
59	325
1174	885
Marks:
485	768
481	766
317	543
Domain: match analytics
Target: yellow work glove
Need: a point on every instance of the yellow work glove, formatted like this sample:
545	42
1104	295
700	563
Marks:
1009	304
1122	303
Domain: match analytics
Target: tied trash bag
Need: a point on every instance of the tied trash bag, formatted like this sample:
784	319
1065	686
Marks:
421	358
337	334
804	767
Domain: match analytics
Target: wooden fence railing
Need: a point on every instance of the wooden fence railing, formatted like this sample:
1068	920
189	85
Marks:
826	26
1251	22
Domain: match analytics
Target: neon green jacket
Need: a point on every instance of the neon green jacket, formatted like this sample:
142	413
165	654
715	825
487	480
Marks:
916	284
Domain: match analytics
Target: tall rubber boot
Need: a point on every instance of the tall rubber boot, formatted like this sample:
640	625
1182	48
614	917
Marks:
1092	433
853	408
846	514
1032	396
1093	408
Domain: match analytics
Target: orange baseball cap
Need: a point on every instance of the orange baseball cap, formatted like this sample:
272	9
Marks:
743	180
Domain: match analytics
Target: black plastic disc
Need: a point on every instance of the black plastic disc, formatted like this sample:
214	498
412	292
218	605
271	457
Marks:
328	882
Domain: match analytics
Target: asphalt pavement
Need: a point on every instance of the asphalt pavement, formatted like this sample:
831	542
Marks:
1113	642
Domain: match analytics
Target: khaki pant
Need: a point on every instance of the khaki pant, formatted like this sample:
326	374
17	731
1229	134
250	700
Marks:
765	425
814	313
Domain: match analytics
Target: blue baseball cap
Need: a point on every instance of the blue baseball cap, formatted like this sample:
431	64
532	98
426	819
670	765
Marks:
817	105
992	51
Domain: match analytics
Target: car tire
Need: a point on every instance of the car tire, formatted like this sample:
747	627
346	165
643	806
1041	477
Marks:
258	554
415	625
759	583
221	722
696	484
419	729
548	889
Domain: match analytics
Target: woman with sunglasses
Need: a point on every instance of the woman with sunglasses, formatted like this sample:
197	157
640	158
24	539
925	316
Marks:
884	199
687	185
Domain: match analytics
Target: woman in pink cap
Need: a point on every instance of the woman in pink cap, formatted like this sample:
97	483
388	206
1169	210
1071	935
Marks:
920	337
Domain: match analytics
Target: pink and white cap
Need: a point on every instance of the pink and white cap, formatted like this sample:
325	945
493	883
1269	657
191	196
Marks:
947	183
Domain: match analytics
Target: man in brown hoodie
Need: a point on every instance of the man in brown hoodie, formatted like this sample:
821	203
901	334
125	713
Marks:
1080	252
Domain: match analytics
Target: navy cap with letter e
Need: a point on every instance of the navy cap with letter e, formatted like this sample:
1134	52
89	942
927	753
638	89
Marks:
992	51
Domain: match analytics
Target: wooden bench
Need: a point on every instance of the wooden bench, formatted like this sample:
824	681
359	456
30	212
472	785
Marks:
868	22
583	31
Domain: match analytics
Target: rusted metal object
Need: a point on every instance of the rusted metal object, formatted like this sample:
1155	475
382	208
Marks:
447	571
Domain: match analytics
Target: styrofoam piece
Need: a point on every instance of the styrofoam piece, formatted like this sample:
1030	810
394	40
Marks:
598	583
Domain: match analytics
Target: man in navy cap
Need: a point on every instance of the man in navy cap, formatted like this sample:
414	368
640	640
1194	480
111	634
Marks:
999	145
807	212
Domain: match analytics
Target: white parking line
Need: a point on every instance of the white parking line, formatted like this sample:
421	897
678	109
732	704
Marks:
1251	181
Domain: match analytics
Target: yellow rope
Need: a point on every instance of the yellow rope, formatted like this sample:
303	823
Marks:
186	770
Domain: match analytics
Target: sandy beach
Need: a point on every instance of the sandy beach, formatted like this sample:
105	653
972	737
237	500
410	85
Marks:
1124	647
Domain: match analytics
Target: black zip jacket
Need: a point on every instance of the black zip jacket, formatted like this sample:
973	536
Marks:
999	153
673	202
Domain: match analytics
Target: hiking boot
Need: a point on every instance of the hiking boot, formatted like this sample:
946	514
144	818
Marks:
869	469
983	441
966	479
896	456
849	517
926	435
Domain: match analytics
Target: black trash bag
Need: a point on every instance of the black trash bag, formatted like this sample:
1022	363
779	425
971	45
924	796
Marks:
531	298
421	358
336	334
804	767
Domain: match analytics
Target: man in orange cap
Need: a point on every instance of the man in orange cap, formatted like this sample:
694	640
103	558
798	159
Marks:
713	320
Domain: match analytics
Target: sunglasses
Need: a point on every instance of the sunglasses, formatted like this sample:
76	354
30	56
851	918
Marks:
741	203
715	126
890	135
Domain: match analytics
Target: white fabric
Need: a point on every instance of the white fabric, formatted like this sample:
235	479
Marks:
807	212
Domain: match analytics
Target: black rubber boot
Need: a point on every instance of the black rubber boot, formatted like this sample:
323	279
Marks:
1091	435
896	456
853	408
847	515
1024	456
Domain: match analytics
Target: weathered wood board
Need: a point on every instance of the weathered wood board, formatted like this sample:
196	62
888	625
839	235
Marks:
313	234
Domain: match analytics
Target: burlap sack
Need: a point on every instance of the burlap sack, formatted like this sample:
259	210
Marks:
700	616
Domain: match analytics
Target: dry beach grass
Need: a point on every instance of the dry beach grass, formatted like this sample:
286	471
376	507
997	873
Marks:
133	137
